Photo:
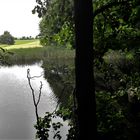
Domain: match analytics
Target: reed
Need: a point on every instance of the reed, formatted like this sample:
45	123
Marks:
32	55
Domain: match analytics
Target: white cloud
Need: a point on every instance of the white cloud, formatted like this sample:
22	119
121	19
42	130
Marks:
17	18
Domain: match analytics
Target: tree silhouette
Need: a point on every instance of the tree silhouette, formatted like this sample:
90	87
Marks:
85	94
7	38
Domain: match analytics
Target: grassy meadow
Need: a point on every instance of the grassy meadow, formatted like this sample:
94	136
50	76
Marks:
22	44
30	51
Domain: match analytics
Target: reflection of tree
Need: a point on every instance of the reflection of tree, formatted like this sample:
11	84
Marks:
60	75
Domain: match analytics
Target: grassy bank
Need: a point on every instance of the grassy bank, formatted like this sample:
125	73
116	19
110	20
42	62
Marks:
30	51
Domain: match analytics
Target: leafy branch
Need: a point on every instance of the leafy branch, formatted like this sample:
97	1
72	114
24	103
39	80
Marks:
109	5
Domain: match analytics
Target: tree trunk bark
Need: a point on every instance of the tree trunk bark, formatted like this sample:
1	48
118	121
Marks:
85	93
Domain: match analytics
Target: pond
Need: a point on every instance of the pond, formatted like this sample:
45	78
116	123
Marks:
17	114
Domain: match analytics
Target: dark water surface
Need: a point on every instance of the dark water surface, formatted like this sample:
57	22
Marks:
17	115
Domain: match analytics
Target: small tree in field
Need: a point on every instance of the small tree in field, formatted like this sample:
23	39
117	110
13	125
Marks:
7	38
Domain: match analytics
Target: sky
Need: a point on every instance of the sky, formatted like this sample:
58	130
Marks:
17	18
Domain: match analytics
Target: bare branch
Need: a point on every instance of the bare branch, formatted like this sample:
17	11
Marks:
36	76
33	92
41	85
29	82
36	103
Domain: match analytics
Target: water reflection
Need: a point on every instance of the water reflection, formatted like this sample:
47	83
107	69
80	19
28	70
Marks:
17	115
60	74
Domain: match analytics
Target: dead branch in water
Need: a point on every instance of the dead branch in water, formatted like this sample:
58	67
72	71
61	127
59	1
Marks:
33	92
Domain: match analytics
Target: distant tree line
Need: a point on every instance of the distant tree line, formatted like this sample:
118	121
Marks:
27	38
7	38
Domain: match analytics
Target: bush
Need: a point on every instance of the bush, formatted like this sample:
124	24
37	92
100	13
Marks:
7	38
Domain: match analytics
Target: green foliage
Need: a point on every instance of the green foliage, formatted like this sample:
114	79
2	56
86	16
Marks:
47	124
66	36
117	96
44	125
110	117
5	57
117	81
7	38
56	25
116	27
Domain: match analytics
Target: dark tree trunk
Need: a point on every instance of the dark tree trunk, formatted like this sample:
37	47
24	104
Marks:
85	93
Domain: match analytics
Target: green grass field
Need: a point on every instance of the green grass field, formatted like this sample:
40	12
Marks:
22	44
19	42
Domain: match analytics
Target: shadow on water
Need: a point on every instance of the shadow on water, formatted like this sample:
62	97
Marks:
60	75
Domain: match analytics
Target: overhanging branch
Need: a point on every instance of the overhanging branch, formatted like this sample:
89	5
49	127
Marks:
108	5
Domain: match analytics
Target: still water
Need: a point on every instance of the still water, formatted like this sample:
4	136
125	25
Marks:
17	115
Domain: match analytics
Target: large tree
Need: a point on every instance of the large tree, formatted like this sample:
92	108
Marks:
85	96
84	69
